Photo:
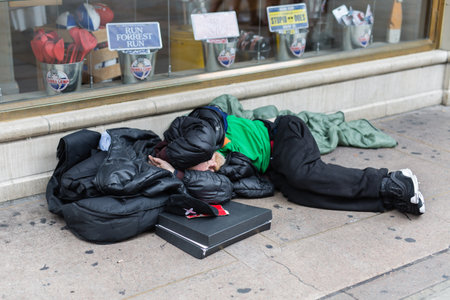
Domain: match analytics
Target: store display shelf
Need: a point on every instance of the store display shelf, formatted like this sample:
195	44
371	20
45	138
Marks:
26	3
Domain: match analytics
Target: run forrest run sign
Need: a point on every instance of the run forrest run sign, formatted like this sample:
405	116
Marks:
131	36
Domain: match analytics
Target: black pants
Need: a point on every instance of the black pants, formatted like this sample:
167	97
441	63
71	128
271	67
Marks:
298	171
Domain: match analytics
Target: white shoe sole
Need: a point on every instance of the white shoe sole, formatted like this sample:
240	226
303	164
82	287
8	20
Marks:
421	200
418	197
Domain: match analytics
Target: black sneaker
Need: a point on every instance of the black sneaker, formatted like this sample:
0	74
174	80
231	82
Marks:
402	190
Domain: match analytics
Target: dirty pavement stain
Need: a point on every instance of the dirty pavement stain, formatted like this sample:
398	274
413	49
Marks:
410	240
244	291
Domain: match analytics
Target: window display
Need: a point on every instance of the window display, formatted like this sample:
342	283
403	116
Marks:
58	47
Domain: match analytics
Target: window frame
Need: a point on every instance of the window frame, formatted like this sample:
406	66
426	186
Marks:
109	95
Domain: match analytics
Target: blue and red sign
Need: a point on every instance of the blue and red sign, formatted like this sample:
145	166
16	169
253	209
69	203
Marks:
131	36
226	57
57	80
364	40
298	47
141	68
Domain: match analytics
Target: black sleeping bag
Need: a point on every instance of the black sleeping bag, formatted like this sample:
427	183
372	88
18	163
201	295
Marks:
107	219
107	197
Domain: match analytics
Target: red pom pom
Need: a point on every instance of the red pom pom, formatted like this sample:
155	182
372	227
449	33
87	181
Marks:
105	13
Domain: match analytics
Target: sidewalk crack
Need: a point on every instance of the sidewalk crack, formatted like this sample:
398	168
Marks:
291	273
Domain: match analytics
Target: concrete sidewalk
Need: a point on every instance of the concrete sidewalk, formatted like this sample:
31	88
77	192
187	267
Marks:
307	254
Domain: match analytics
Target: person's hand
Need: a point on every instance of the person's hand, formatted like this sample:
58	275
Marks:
160	163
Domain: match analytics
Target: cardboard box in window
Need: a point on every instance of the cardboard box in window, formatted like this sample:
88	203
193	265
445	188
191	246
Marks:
101	63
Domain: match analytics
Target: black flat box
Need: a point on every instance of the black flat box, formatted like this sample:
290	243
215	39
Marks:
201	237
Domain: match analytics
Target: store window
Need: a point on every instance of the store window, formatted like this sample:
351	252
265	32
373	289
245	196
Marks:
60	50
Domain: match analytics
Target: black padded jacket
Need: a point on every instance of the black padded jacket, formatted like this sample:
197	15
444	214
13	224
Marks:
198	135
111	196
107	197
237	178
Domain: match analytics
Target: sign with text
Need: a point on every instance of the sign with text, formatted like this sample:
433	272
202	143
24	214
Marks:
131	36
215	25
287	17
137	51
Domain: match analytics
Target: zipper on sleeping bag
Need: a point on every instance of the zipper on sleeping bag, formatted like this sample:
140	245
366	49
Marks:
111	215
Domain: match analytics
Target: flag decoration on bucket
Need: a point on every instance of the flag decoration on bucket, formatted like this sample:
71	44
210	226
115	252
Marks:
364	39
141	68
57	80
298	46
226	57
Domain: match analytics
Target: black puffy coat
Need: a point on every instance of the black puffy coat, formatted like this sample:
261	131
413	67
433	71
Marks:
189	144
107	197
247	181
111	196
236	178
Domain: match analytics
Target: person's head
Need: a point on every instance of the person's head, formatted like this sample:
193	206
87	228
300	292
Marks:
192	140
213	165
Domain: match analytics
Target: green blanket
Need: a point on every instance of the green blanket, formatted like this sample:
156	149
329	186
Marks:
329	130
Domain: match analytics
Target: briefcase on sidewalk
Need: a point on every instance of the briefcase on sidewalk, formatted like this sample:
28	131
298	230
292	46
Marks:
201	237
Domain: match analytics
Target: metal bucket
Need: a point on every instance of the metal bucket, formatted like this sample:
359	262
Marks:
62	78
291	44
356	36
137	66
219	53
